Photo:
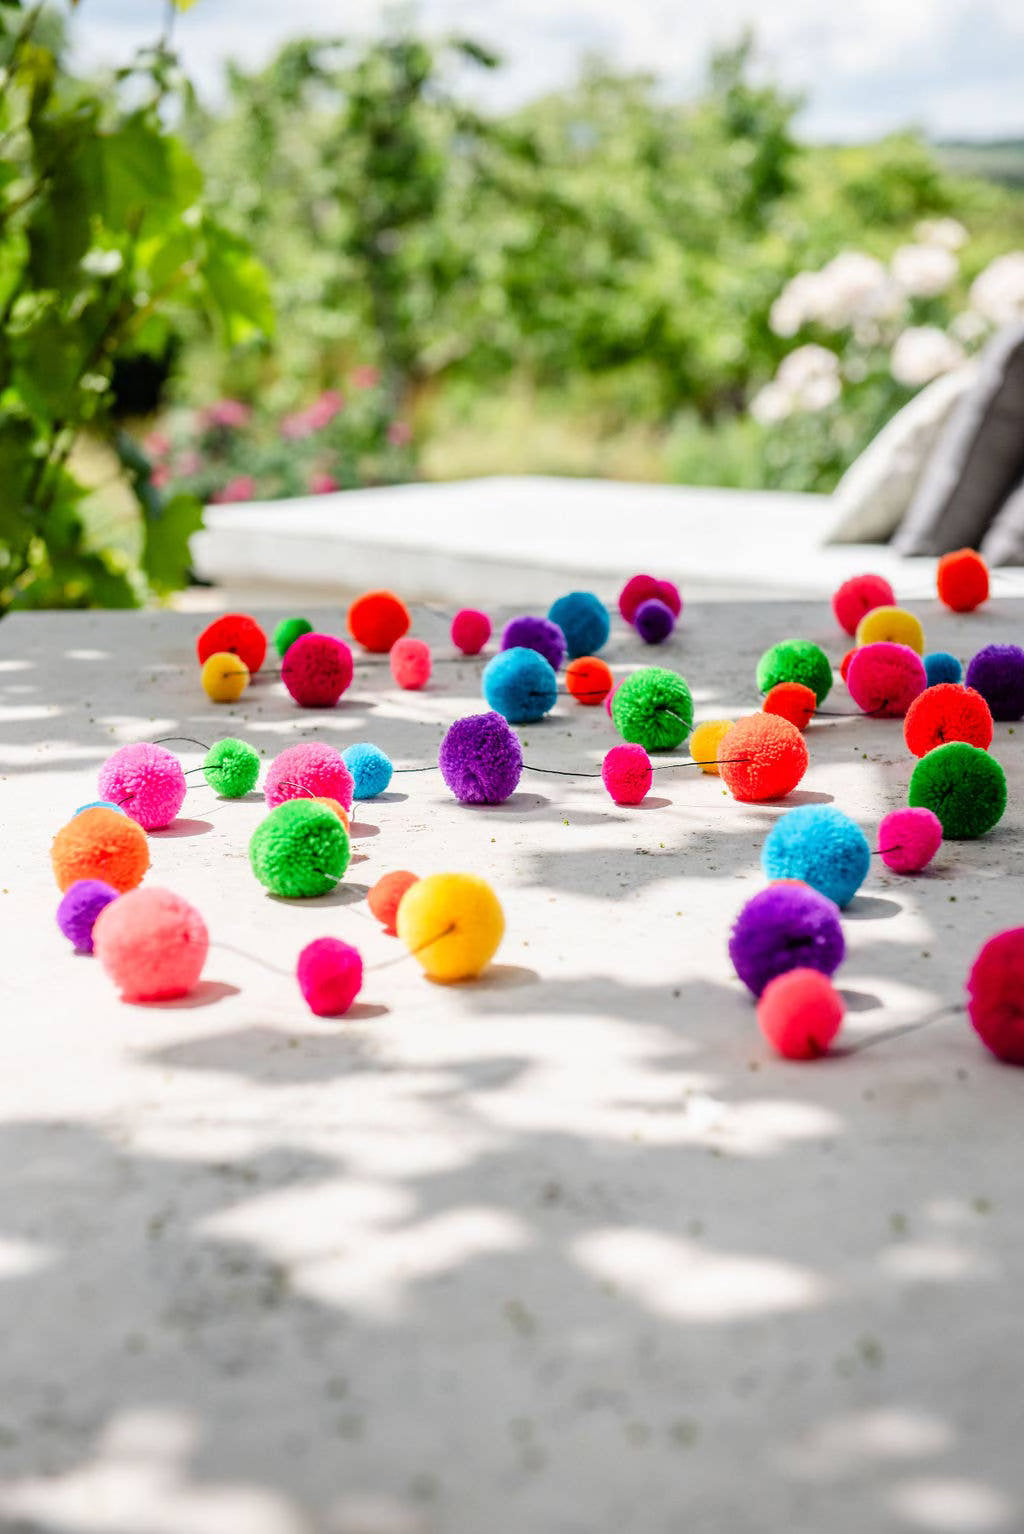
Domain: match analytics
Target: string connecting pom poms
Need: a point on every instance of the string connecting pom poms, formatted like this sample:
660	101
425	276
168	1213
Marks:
822	846
785	927
762	757
653	708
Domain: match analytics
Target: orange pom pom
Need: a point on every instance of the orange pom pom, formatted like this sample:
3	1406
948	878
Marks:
762	757
844	664
377	619
792	701
962	580
100	844
589	680
386	896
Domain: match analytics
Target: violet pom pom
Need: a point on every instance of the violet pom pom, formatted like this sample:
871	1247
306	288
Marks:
654	621
787	926
481	759
77	912
538	634
997	672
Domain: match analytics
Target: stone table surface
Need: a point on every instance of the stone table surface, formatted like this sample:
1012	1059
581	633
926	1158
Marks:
563	1251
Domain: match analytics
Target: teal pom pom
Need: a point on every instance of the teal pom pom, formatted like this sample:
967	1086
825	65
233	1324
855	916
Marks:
520	685
940	666
821	846
653	708
299	850
231	768
583	619
963	786
371	770
796	660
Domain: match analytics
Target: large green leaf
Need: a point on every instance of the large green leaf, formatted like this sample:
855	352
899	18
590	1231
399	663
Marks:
165	556
236	286
146	179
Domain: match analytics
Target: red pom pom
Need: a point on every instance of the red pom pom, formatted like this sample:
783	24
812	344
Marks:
330	976
946	712
844	664
858	596
377	619
800	1013
884	678
316	670
644	588
792	701
627	774
234	634
386	896
470	630
589	680
962	580
410	663
995	986
762	757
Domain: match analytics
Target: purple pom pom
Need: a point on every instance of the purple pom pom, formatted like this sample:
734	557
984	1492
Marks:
481	759
77	912
997	672
538	634
786	926
654	621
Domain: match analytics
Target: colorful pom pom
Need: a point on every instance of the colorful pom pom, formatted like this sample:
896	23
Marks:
452	923
782	928
997	672
947	712
306	772
237	634
762	757
471	630
371	770
539	634
481	759
909	839
99	804
796	660
520	685
995	989
583	619
654	621
653	708
860	595
316	670
800	1014
79	908
231	768
377	619
152	944
940	666
299	850
287	631
224	677
885	678
99	844
386	896
792	701
706	744
627	774
335	809
844	664
641	588
146	781
589	680
891	625
962	580
821	846
411	663
964	786
330	976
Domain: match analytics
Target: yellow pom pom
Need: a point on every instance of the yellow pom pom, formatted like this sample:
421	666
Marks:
224	677
705	741
453	923
891	625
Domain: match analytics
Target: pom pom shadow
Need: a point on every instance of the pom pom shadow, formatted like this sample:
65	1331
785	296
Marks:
206	994
871	908
362	829
342	894
859	1001
182	828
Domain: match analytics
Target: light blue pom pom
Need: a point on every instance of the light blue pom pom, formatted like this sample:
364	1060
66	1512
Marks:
583	619
821	846
370	768
520	685
940	666
99	804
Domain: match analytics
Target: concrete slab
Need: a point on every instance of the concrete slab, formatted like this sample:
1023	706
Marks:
560	1251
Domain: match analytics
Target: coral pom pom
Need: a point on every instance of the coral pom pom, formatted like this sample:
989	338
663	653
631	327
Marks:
224	677
411	663
308	772
330	976
152	944
762	757
77	912
995	987
583	619
316	670
520	685
844	664
386	896
539	634
706	744
962	580
481	759
299	850
627	774
947	712
287	631
377	619
100	844
859	595
785	927
231	768
653	708
654	621
471	630
909	839
997	672
940	666
800	1014
884	679
589	680
453	923
964	786
370	767
147	782
891	625
792	701
238	634
796	660
821	846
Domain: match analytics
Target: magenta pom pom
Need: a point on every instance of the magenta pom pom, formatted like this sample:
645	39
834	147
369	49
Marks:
481	759
654	621
312	771
908	839
147	782
786	926
540	634
77	912
316	670
471	630
642	588
627	774
330	976
995	987
883	679
410	663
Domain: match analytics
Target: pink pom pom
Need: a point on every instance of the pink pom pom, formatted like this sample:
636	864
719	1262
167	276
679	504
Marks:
312	771
909	839
330	976
316	670
883	679
152	944
627	774
470	631
410	663
799	1013
860	595
146	781
995	986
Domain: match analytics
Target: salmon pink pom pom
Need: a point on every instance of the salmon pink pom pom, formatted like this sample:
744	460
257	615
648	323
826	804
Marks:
762	757
410	663
152	944
800	1013
909	839
312	771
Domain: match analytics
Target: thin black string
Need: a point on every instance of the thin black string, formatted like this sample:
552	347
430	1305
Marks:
162	740
900	1029
243	953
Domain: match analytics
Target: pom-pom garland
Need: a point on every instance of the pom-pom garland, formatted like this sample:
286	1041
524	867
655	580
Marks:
800	1013
654	621
859	595
891	625
146	781
452	923
238	634
885	678
583	619
642	588
386	896
997	672
785	927
962	580
796	660
471	630
377	619
79	908
940	666
627	774
231	768
762	757
299	850
653	708
792	701
995	989
371	770
309	771
520	685
99	844
908	839
287	631
539	634
224	677
706	744
481	759
964	786
330	976
316	670
152	944
411	663
588	680
820	845
947	712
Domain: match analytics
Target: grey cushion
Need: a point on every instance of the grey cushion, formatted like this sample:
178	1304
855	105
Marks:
1004	541
978	459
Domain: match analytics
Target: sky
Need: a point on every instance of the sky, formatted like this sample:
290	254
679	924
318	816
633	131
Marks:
954	68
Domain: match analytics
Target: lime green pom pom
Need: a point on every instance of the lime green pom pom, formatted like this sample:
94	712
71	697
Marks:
301	849
796	660
653	708
287	631
963	786
231	768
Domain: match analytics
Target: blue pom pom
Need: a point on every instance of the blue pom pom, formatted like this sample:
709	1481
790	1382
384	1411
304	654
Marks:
940	666
583	619
520	685
99	804
821	846
370	769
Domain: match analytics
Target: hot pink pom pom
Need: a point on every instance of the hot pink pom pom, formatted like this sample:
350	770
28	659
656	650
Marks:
470	630
883	679
146	781
152	944
330	976
316	670
799	1013
909	839
312	771
995	986
627	774
410	663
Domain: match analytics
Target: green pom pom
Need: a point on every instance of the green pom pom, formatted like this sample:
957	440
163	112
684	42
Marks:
231	767
796	660
653	708
301	849
287	631
963	786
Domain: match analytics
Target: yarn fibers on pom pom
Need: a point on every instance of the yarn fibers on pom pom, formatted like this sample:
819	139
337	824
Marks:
997	672
995	988
589	680
371	769
287	631
891	625
539	634
653	708
796	660
330	976
152	944
100	844
299	850
947	712
654	621
377	619
859	595
316	670
940	666
146	781
800	1013
386	896
964	786
583	619
884	679
706	743
79	908
762	757
627	774
224	677
237	634
962	580
792	701
520	685
471	630
908	839
231	768
309	771
785	927
481	759
452	923
820	845
411	663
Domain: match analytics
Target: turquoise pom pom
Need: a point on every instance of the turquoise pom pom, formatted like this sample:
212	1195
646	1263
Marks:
940	666
821	846
371	769
520	685
583	619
